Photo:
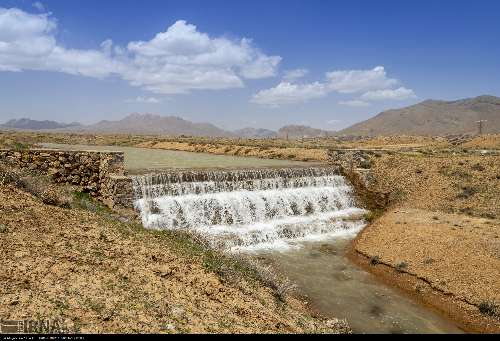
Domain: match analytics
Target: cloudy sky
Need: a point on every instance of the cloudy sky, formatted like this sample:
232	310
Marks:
327	64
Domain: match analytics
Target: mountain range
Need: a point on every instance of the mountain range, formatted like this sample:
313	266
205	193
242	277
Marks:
433	117
149	124
155	125
26	123
430	117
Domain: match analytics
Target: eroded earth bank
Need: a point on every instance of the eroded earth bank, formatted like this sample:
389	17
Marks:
435	231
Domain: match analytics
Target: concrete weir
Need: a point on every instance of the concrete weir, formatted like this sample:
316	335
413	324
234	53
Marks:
249	209
121	190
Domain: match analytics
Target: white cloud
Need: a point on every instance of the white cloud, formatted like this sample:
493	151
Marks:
178	60
288	93
295	74
401	93
24	39
27	42
355	103
39	6
147	100
333	122
352	81
374	83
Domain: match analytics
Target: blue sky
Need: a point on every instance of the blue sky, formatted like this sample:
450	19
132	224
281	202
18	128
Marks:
327	64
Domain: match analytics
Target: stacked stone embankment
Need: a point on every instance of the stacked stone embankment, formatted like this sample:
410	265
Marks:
94	172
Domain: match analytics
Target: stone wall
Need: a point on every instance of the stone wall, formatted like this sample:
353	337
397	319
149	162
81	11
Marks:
89	170
118	192
355	165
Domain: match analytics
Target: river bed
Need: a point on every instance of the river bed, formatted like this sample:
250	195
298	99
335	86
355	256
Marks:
336	287
154	159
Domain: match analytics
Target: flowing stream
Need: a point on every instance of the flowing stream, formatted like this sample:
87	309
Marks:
250	210
300	219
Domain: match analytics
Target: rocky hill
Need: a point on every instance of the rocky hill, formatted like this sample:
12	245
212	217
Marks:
255	133
433	117
28	124
149	124
299	131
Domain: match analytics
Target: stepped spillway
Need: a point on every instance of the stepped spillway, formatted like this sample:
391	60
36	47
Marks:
250	209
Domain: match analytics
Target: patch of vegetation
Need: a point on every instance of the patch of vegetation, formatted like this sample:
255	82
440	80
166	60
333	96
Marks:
466	210
489	308
488	215
397	195
478	167
428	261
374	260
372	215
3	228
401	267
456	173
19	146
366	164
467	192
84	200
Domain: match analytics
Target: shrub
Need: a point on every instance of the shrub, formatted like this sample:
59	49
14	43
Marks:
374	260
467	192
488	308
366	164
428	261
85	201
370	216
478	167
401	267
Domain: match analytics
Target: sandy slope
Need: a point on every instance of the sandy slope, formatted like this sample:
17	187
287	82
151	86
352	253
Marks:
443	228
101	275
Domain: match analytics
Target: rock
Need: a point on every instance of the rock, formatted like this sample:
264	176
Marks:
327	249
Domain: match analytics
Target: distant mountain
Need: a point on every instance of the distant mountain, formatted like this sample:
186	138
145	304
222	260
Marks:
28	124
149	124
299	131
433	117
255	133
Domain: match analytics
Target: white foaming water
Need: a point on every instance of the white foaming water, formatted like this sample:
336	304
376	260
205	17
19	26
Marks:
252	209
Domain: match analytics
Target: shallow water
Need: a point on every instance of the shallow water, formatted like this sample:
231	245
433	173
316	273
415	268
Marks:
146	158
338	288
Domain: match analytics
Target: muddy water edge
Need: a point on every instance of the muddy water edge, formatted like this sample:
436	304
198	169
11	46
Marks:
335	286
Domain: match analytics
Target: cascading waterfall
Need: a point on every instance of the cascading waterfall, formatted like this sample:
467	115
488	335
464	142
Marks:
250	209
